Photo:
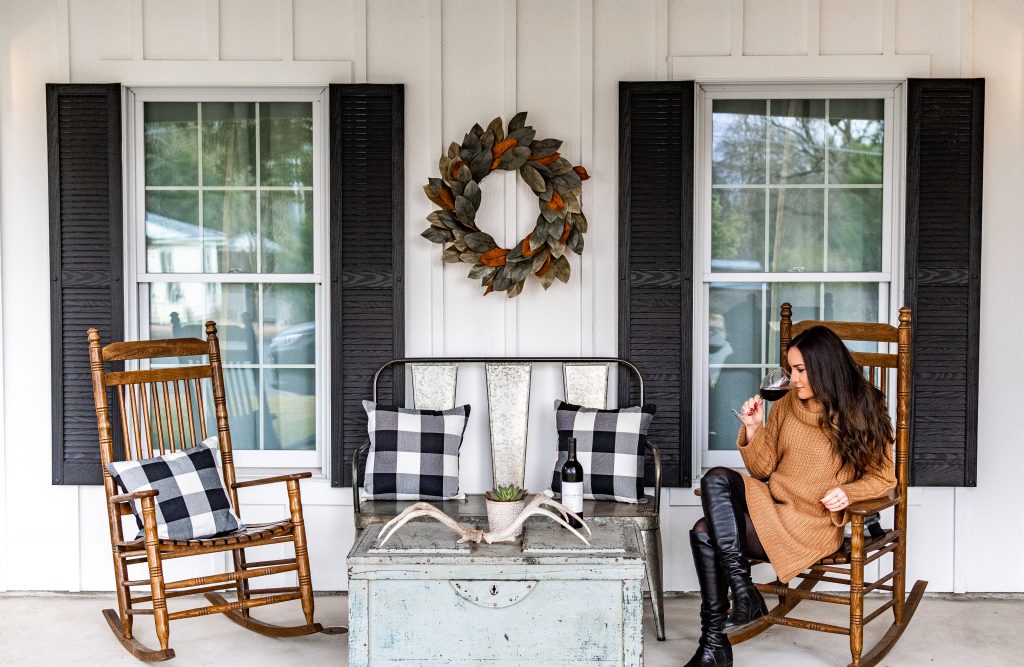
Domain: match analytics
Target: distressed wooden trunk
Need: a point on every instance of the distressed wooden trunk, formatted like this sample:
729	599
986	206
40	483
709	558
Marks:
547	600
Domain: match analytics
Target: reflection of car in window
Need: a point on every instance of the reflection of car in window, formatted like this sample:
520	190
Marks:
292	345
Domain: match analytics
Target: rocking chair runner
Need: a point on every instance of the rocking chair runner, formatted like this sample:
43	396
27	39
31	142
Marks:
846	566
159	414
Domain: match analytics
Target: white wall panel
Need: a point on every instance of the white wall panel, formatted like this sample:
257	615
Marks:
174	30
990	530
324	29
464	62
774	27
931	26
106	29
700	27
251	29
850	27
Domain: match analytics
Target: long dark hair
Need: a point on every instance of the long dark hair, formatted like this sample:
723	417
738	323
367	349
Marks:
855	414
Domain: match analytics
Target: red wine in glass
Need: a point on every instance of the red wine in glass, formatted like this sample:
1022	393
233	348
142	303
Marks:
774	385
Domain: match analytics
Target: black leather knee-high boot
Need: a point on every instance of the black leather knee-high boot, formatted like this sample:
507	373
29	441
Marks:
713	648
727	527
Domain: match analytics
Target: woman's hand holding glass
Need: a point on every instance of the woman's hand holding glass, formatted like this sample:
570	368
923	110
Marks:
751	415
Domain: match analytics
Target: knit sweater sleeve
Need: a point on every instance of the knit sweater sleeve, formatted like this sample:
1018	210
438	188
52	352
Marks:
874	483
761	454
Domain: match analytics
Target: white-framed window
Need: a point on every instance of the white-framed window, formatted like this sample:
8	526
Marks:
797	191
226	221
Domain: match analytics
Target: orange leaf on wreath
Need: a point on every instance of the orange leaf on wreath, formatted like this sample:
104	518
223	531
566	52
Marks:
490	288
499	149
556	203
544	269
494	257
581	171
446	197
565	234
526	246
546	160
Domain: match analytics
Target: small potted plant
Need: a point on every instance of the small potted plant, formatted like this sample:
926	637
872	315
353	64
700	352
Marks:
504	503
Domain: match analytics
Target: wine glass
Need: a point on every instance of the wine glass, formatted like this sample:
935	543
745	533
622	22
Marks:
773	386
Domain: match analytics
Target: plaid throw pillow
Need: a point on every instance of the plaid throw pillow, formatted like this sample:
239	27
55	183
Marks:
609	446
192	503
414	454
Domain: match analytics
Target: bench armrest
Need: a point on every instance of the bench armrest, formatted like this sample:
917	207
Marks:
360	452
656	453
272	480
134	495
866	507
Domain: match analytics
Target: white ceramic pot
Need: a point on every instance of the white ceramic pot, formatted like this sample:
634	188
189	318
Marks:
501	514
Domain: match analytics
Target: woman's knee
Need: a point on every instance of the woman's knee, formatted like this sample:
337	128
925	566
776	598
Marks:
701	526
718	475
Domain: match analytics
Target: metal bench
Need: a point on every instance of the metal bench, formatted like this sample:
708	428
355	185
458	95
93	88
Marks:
585	382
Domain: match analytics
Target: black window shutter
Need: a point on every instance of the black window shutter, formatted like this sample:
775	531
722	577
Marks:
86	262
656	261
367	240
943	276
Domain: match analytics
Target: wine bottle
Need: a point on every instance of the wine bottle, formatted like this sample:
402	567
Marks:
572	483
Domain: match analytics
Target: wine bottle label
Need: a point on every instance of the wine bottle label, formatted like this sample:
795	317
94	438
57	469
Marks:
572	496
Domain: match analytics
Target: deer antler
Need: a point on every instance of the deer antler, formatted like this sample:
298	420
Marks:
417	510
536	507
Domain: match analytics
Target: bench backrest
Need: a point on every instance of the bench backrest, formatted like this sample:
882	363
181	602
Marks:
435	380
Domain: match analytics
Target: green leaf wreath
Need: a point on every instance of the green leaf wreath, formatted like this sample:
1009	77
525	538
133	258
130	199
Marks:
557	184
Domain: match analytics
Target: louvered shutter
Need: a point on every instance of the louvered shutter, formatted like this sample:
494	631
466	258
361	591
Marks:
943	276
366	246
86	263
656	260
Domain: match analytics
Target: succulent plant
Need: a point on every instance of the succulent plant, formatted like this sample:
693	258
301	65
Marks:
509	493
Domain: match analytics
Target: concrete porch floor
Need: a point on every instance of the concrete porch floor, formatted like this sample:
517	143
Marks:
55	629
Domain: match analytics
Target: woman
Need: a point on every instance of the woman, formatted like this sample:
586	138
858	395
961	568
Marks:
827	444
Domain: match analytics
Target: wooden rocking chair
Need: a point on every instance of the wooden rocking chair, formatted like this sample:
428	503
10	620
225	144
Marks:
159	414
846	566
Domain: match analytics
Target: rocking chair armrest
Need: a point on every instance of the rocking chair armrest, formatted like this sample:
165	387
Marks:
272	480
866	507
134	495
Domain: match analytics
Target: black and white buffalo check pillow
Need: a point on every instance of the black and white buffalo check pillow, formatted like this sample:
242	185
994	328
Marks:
414	454
192	502
609	446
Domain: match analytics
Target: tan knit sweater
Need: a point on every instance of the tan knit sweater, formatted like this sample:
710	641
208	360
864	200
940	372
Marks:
792	466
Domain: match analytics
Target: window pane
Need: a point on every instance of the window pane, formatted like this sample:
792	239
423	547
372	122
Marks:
286	143
855	229
738	141
171	143
732	387
737	230
291	406
289	324
797	141
805	299
229	231
796	223
856	140
734	323
853	302
173	238
180	310
287	222
229	143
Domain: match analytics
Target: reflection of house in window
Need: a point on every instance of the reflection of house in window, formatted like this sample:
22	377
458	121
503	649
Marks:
178	246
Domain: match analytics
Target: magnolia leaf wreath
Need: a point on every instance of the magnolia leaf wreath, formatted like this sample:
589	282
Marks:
557	184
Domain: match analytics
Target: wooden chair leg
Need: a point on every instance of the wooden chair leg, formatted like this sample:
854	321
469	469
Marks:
899	579
123	595
856	589
156	573
242	585
653	564
301	550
